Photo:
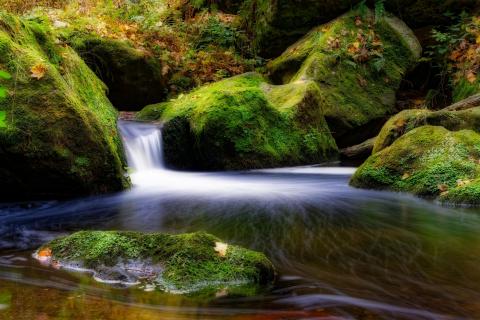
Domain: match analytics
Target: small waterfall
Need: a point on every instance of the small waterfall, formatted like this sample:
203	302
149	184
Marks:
143	145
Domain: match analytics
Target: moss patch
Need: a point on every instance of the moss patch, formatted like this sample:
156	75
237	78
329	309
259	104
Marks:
244	122
408	120
357	63
53	120
188	260
428	161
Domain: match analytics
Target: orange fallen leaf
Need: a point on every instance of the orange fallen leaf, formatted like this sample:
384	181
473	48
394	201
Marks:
471	77
46	252
38	71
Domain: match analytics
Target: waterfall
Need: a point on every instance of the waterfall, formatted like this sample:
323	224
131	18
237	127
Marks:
143	145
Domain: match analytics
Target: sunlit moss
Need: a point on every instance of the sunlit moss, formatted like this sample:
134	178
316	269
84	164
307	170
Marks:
243	122
189	261
408	120
427	161
354	91
65	109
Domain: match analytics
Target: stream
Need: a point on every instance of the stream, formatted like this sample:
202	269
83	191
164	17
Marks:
340	252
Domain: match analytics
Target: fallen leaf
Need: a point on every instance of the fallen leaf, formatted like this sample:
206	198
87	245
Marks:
406	175
442	188
471	77
221	248
46	252
38	71
358	21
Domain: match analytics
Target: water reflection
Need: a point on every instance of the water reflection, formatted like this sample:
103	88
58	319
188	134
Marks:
340	251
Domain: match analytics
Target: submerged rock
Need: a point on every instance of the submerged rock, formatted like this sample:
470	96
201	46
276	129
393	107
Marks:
358	62
59	135
176	263
244	122
429	161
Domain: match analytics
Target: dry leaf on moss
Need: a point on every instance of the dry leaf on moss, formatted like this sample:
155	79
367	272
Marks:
38	71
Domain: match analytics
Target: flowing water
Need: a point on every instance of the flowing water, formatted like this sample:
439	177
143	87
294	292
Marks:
341	253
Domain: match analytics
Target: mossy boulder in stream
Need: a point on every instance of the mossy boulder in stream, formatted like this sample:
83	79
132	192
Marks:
58	135
428	161
358	62
407	120
177	263
242	123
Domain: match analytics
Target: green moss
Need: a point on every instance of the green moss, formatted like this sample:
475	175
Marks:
408	120
355	91
66	108
468	194
275	24
464	89
243	122
188	260
426	161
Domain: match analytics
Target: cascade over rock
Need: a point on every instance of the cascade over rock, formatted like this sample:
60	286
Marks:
244	122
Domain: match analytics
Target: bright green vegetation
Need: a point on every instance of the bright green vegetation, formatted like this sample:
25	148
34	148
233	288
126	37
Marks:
427	161
408	120
358	62
59	134
244	122
188	260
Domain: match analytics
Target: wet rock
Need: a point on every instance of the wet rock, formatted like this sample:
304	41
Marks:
176	263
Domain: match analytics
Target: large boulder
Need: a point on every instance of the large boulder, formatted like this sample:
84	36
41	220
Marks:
276	24
59	134
358	62
408	120
428	161
133	77
244	122
176	263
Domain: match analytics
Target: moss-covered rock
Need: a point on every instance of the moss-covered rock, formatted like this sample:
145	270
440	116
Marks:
427	161
407	120
275	24
244	122
59	135
358	62
134	79
178	263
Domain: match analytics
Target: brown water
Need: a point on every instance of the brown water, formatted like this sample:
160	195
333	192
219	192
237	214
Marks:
341	253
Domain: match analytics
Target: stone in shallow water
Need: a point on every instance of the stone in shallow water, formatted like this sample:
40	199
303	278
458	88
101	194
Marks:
176	263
